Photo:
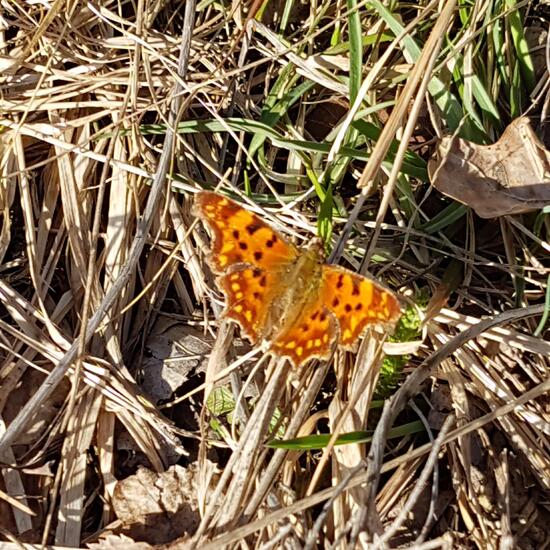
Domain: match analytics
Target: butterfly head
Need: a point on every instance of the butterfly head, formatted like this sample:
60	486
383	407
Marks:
316	248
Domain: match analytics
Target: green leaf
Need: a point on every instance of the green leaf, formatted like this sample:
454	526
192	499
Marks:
355	49
446	217
220	401
311	442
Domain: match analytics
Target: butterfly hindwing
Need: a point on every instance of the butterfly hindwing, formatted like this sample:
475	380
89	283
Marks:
248	292
312	335
356	302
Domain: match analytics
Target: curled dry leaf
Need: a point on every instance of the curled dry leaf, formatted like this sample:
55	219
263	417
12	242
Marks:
512	176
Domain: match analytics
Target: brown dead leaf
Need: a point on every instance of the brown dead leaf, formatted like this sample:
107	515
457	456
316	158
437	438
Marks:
157	508
174	350
512	176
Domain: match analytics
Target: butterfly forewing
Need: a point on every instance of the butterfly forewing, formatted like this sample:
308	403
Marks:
240	236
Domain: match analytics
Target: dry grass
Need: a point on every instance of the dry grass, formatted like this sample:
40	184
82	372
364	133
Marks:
112	115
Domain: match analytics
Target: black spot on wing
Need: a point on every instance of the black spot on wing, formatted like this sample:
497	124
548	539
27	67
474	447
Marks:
270	242
251	228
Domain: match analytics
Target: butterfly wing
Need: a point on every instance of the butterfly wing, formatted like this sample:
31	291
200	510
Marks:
356	302
345	304
250	257
239	236
249	294
312	335
252	260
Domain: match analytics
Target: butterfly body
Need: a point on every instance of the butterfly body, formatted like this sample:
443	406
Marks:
285	296
299	284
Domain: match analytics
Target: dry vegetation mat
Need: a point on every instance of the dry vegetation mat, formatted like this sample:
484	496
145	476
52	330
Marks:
134	413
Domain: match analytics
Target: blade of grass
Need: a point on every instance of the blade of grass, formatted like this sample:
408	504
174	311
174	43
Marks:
546	312
355	49
443	219
414	166
446	101
521	47
320	441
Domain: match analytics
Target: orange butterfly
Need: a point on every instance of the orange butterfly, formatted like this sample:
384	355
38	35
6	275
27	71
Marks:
287	296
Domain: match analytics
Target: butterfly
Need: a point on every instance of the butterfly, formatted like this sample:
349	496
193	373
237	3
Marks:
287	296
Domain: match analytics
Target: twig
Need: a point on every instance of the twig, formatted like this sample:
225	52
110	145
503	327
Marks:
435	482
338	490
420	484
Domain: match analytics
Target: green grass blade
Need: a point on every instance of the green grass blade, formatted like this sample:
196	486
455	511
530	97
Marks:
311	442
448	104
520	44
412	166
443	219
355	50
